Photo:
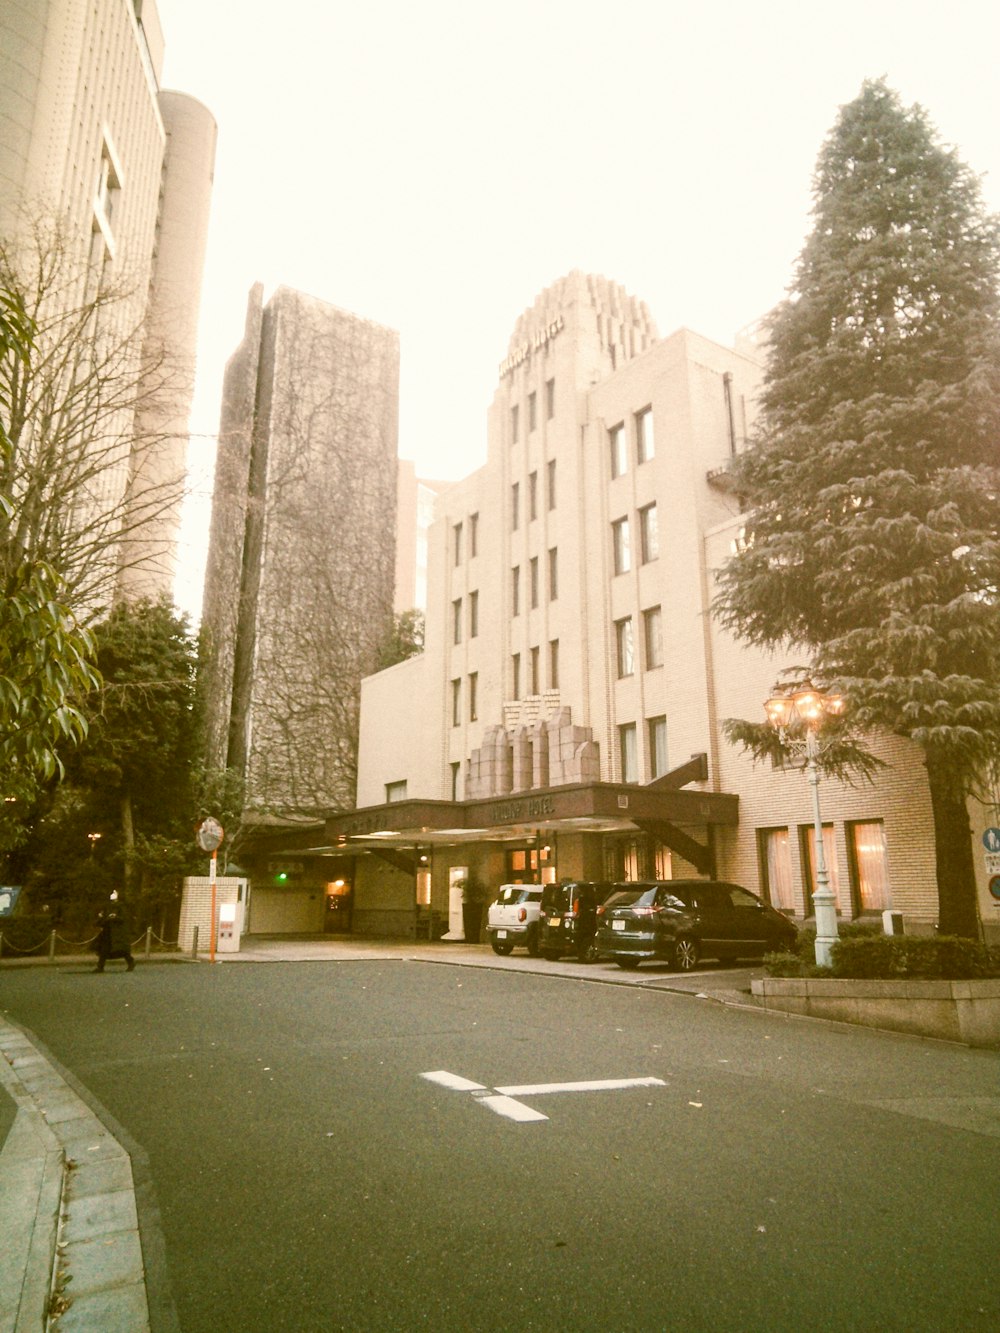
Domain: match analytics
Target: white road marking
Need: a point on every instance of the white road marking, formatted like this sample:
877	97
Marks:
453	1081
590	1085
503	1100
509	1108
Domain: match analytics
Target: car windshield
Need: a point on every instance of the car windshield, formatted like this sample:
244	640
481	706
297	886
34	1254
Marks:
640	896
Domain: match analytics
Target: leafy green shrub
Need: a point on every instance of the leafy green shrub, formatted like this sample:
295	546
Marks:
783	964
897	957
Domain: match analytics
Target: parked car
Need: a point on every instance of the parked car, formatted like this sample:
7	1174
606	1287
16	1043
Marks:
512	918
681	920
568	919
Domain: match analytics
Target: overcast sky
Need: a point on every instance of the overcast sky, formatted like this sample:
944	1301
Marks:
434	166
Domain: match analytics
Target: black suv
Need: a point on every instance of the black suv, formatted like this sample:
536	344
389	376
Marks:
681	920
568	919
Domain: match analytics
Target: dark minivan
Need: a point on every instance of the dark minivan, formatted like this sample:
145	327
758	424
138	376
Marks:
567	922
681	920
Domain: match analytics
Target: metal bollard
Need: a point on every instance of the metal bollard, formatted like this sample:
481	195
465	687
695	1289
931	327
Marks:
194	943
149	940
52	947
1	943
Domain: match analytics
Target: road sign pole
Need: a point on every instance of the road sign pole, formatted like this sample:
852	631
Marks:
211	947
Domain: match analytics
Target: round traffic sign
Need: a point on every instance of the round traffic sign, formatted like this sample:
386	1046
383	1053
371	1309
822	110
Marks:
991	839
210	834
995	886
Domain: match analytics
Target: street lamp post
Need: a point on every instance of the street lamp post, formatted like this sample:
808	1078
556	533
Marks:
804	711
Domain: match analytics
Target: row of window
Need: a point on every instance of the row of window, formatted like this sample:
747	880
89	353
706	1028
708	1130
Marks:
457	543
472	615
533	495
534	581
652	642
866	858
532	411
656	749
618	444
649	539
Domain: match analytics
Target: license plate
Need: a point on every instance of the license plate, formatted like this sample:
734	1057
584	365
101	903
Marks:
555	921
618	925
501	934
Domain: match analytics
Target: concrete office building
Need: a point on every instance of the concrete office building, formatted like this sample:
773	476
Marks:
301	563
91	145
565	718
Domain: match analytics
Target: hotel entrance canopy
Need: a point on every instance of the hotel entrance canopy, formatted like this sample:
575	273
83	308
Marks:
668	813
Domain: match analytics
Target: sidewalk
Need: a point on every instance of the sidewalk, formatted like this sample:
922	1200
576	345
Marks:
71	1253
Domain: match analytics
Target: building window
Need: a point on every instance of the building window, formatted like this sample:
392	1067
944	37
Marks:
457	542
645	448
652	633
552	483
532	496
473	614
515	591
627	753
550	399
620	544
553	664
473	535
395	791
515	676
776	867
625	647
515	507
807	838
553	574
657	747
473	692
869	866
456	769
456	620
532	410
536	684
533	580
649	539
618	444
456	702
513	425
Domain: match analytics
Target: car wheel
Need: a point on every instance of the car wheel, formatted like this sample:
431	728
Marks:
502	947
629	964
533	947
686	953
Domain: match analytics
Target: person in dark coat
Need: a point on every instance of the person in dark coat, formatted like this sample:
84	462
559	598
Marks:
113	940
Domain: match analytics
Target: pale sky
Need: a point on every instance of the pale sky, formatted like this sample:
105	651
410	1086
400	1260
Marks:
434	166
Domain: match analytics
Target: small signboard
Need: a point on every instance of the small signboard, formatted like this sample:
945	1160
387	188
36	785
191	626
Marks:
992	860
9	894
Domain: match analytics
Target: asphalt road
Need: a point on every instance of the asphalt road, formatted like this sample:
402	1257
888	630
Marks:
297	1172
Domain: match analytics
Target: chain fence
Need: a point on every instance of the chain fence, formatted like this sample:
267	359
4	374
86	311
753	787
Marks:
53	946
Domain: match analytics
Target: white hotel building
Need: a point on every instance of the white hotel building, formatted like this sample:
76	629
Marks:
565	716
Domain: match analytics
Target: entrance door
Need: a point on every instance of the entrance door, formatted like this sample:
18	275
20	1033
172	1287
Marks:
339	904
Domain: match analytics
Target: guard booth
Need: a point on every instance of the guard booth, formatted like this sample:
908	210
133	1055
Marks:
231	902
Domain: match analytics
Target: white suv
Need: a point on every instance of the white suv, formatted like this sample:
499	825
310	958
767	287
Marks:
513	918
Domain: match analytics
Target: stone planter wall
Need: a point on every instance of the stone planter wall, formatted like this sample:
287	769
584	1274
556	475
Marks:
965	1011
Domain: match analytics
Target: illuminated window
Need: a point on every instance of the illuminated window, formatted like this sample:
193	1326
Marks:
869	866
776	867
807	836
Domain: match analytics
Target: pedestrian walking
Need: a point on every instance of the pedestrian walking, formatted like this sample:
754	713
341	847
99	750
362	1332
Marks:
113	940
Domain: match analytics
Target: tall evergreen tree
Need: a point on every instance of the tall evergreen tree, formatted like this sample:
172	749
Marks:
872	492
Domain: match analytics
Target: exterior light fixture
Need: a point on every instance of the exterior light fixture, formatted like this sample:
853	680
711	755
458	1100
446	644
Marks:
798	717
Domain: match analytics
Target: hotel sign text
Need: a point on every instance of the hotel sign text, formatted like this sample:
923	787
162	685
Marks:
513	812
535	343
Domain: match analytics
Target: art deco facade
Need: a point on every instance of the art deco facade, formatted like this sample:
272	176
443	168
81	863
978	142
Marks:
94	149
301	564
565	718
